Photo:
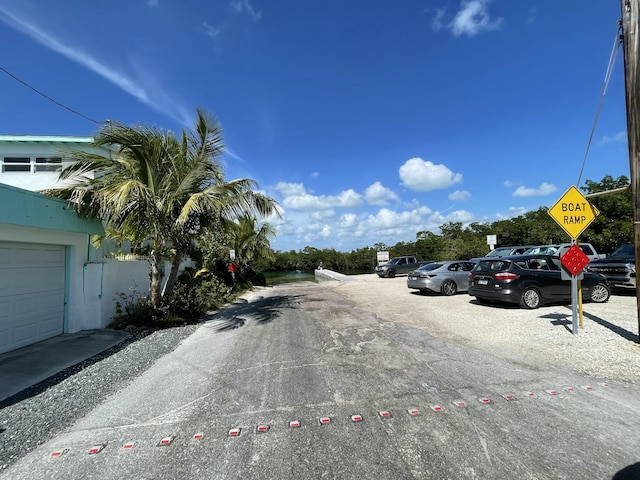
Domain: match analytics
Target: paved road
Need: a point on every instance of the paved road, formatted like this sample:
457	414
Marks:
300	353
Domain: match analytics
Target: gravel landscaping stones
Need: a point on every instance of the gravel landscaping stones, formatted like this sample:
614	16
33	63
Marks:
34	416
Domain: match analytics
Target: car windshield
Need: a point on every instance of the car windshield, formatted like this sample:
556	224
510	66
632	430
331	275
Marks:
499	252
543	249
430	266
491	266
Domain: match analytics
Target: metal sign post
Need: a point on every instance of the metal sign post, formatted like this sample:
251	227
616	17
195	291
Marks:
574	213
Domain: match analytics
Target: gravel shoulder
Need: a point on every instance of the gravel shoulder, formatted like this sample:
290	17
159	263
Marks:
605	348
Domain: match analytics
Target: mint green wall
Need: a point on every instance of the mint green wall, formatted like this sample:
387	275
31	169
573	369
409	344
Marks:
30	209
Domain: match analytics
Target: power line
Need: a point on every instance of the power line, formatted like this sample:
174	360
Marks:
49	98
612	60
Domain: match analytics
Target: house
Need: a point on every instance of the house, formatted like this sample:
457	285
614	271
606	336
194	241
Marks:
44	247
33	162
52	280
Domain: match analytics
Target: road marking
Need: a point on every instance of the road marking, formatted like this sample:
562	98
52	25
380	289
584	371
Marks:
386	415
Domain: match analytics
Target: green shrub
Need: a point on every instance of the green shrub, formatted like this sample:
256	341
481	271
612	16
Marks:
196	294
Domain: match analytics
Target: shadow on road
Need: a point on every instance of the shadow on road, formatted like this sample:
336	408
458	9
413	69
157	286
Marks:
262	311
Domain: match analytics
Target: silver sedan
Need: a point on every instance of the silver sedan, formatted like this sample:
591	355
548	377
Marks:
447	278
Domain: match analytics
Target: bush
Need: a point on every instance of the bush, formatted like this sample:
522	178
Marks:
196	294
133	308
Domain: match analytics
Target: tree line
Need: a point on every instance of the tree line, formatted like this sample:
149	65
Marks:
612	228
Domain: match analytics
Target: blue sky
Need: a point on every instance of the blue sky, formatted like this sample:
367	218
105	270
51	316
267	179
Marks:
367	121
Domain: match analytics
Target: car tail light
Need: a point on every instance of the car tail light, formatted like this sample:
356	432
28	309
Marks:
506	276
470	275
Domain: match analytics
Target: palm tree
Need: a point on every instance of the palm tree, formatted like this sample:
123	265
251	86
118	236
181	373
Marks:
159	190
251	241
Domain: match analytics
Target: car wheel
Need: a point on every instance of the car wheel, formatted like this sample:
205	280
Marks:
600	293
391	273
448	288
530	298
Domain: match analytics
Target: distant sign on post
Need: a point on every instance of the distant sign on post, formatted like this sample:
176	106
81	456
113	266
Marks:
382	257
573	212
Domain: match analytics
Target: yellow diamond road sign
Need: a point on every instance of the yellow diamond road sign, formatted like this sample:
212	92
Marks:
573	212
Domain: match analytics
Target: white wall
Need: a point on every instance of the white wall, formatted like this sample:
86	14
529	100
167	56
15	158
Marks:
104	281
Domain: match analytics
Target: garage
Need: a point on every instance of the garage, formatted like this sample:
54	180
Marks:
32	293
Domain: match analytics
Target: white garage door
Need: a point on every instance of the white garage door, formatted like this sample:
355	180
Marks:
31	293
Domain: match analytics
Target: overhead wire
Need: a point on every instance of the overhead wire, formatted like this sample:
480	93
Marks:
612	60
48	97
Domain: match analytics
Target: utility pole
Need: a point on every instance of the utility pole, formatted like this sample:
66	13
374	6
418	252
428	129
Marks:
631	47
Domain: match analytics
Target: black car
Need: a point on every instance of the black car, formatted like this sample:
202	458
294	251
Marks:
530	281
619	268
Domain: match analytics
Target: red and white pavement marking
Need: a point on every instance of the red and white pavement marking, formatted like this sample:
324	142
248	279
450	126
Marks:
325	420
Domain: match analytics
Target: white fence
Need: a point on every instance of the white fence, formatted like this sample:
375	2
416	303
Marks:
104	282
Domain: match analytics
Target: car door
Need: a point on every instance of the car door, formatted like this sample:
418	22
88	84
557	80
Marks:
545	274
462	274
455	271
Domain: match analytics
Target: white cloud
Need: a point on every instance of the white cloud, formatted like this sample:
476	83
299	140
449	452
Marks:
461	195
473	18
423	176
152	3
512	212
437	23
619	137
377	194
296	197
544	189
437	219
211	31
510	183
243	6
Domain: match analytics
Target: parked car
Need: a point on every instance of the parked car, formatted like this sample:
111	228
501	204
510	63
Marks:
399	265
447	278
530	281
588	249
542	250
505	251
619	268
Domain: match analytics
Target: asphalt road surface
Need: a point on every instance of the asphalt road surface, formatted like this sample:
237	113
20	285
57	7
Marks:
299	383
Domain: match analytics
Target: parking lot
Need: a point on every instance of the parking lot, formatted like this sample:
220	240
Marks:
606	347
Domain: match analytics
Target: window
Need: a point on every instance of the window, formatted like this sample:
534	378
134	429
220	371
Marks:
16	164
24	164
586	249
48	164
